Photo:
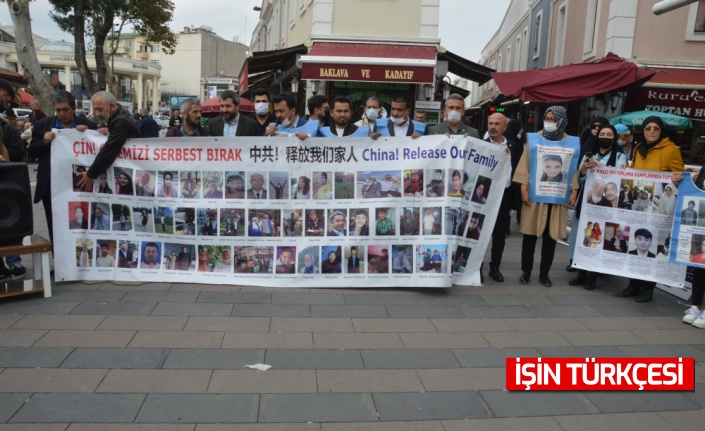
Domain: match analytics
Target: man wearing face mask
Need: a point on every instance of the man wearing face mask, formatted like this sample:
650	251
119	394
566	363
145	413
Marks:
319	109
626	139
286	113
121	127
454	110
261	99
400	124
373	111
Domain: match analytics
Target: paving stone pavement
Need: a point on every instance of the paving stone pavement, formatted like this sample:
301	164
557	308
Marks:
104	356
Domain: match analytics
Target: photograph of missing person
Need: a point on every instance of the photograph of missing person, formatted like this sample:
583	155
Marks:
697	249
468	186
232	222
643	243
663	246
308	261
212	185
378	259
100	216
337	222
167	184
150	255
455	183
145	221
413	183
355	259
359	222
378	184
256	189
78	170
190	185
689	215
184	221
235	185
286	260
214	258
592	234
475	225
105	254
344	185
127	254
636	195
332	257
179	256
123	181
145	182
300	187
409	222
455	221
482	190
253	260
432	220
602	193
293	222
435	186
432	257
460	259
551	169
78	213
384	223
322	187
268	222
278	185
665	198
402	259
163	220
616	238
315	222
207	221
122	217
102	183
84	252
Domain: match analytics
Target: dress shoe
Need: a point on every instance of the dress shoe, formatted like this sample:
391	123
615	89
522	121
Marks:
646	295
579	279
631	290
569	267
591	281
495	274
524	279
545	281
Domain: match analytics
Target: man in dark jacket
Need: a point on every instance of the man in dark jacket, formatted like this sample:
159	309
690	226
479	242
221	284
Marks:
230	122
40	146
341	113
191	124
148	127
121	127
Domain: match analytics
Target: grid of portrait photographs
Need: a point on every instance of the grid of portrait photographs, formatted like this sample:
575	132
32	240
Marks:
171	213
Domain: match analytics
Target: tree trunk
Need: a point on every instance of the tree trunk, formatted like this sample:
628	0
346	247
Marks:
79	38
27	56
100	65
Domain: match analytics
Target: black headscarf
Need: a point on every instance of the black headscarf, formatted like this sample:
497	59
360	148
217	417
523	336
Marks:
561	116
644	146
616	148
587	139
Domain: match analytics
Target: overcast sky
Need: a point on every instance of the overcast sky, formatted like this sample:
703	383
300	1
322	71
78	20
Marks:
465	25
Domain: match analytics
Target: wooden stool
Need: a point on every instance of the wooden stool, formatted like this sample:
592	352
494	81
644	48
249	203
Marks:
39	247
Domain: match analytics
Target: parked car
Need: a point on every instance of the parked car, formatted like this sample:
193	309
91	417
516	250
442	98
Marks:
162	120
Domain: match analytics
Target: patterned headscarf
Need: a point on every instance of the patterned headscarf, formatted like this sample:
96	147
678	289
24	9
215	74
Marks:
561	116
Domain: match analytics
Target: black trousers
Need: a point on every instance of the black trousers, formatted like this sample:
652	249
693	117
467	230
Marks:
698	286
548	249
501	226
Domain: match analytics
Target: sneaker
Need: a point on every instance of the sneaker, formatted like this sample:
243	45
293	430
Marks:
524	279
545	281
692	314
700	321
12	273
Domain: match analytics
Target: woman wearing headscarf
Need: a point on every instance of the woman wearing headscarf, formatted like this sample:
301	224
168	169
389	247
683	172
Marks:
654	153
538	219
588	139
606	152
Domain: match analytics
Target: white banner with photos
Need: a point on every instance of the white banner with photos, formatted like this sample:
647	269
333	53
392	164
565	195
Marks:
325	212
625	225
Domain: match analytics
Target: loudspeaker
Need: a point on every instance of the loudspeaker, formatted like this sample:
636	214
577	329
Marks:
16	220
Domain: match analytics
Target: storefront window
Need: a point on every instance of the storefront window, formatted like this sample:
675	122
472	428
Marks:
700	17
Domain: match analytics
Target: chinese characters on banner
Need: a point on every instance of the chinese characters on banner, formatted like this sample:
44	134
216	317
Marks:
325	212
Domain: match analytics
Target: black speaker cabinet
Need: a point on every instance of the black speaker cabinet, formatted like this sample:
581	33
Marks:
16	220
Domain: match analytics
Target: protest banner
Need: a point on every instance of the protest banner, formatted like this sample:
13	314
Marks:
628	232
324	212
688	241
553	165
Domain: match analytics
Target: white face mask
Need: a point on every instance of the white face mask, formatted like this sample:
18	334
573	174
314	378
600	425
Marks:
398	121
550	127
454	117
261	108
621	142
372	114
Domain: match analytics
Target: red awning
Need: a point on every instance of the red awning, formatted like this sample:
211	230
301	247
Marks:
341	61
574	81
677	78
265	62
